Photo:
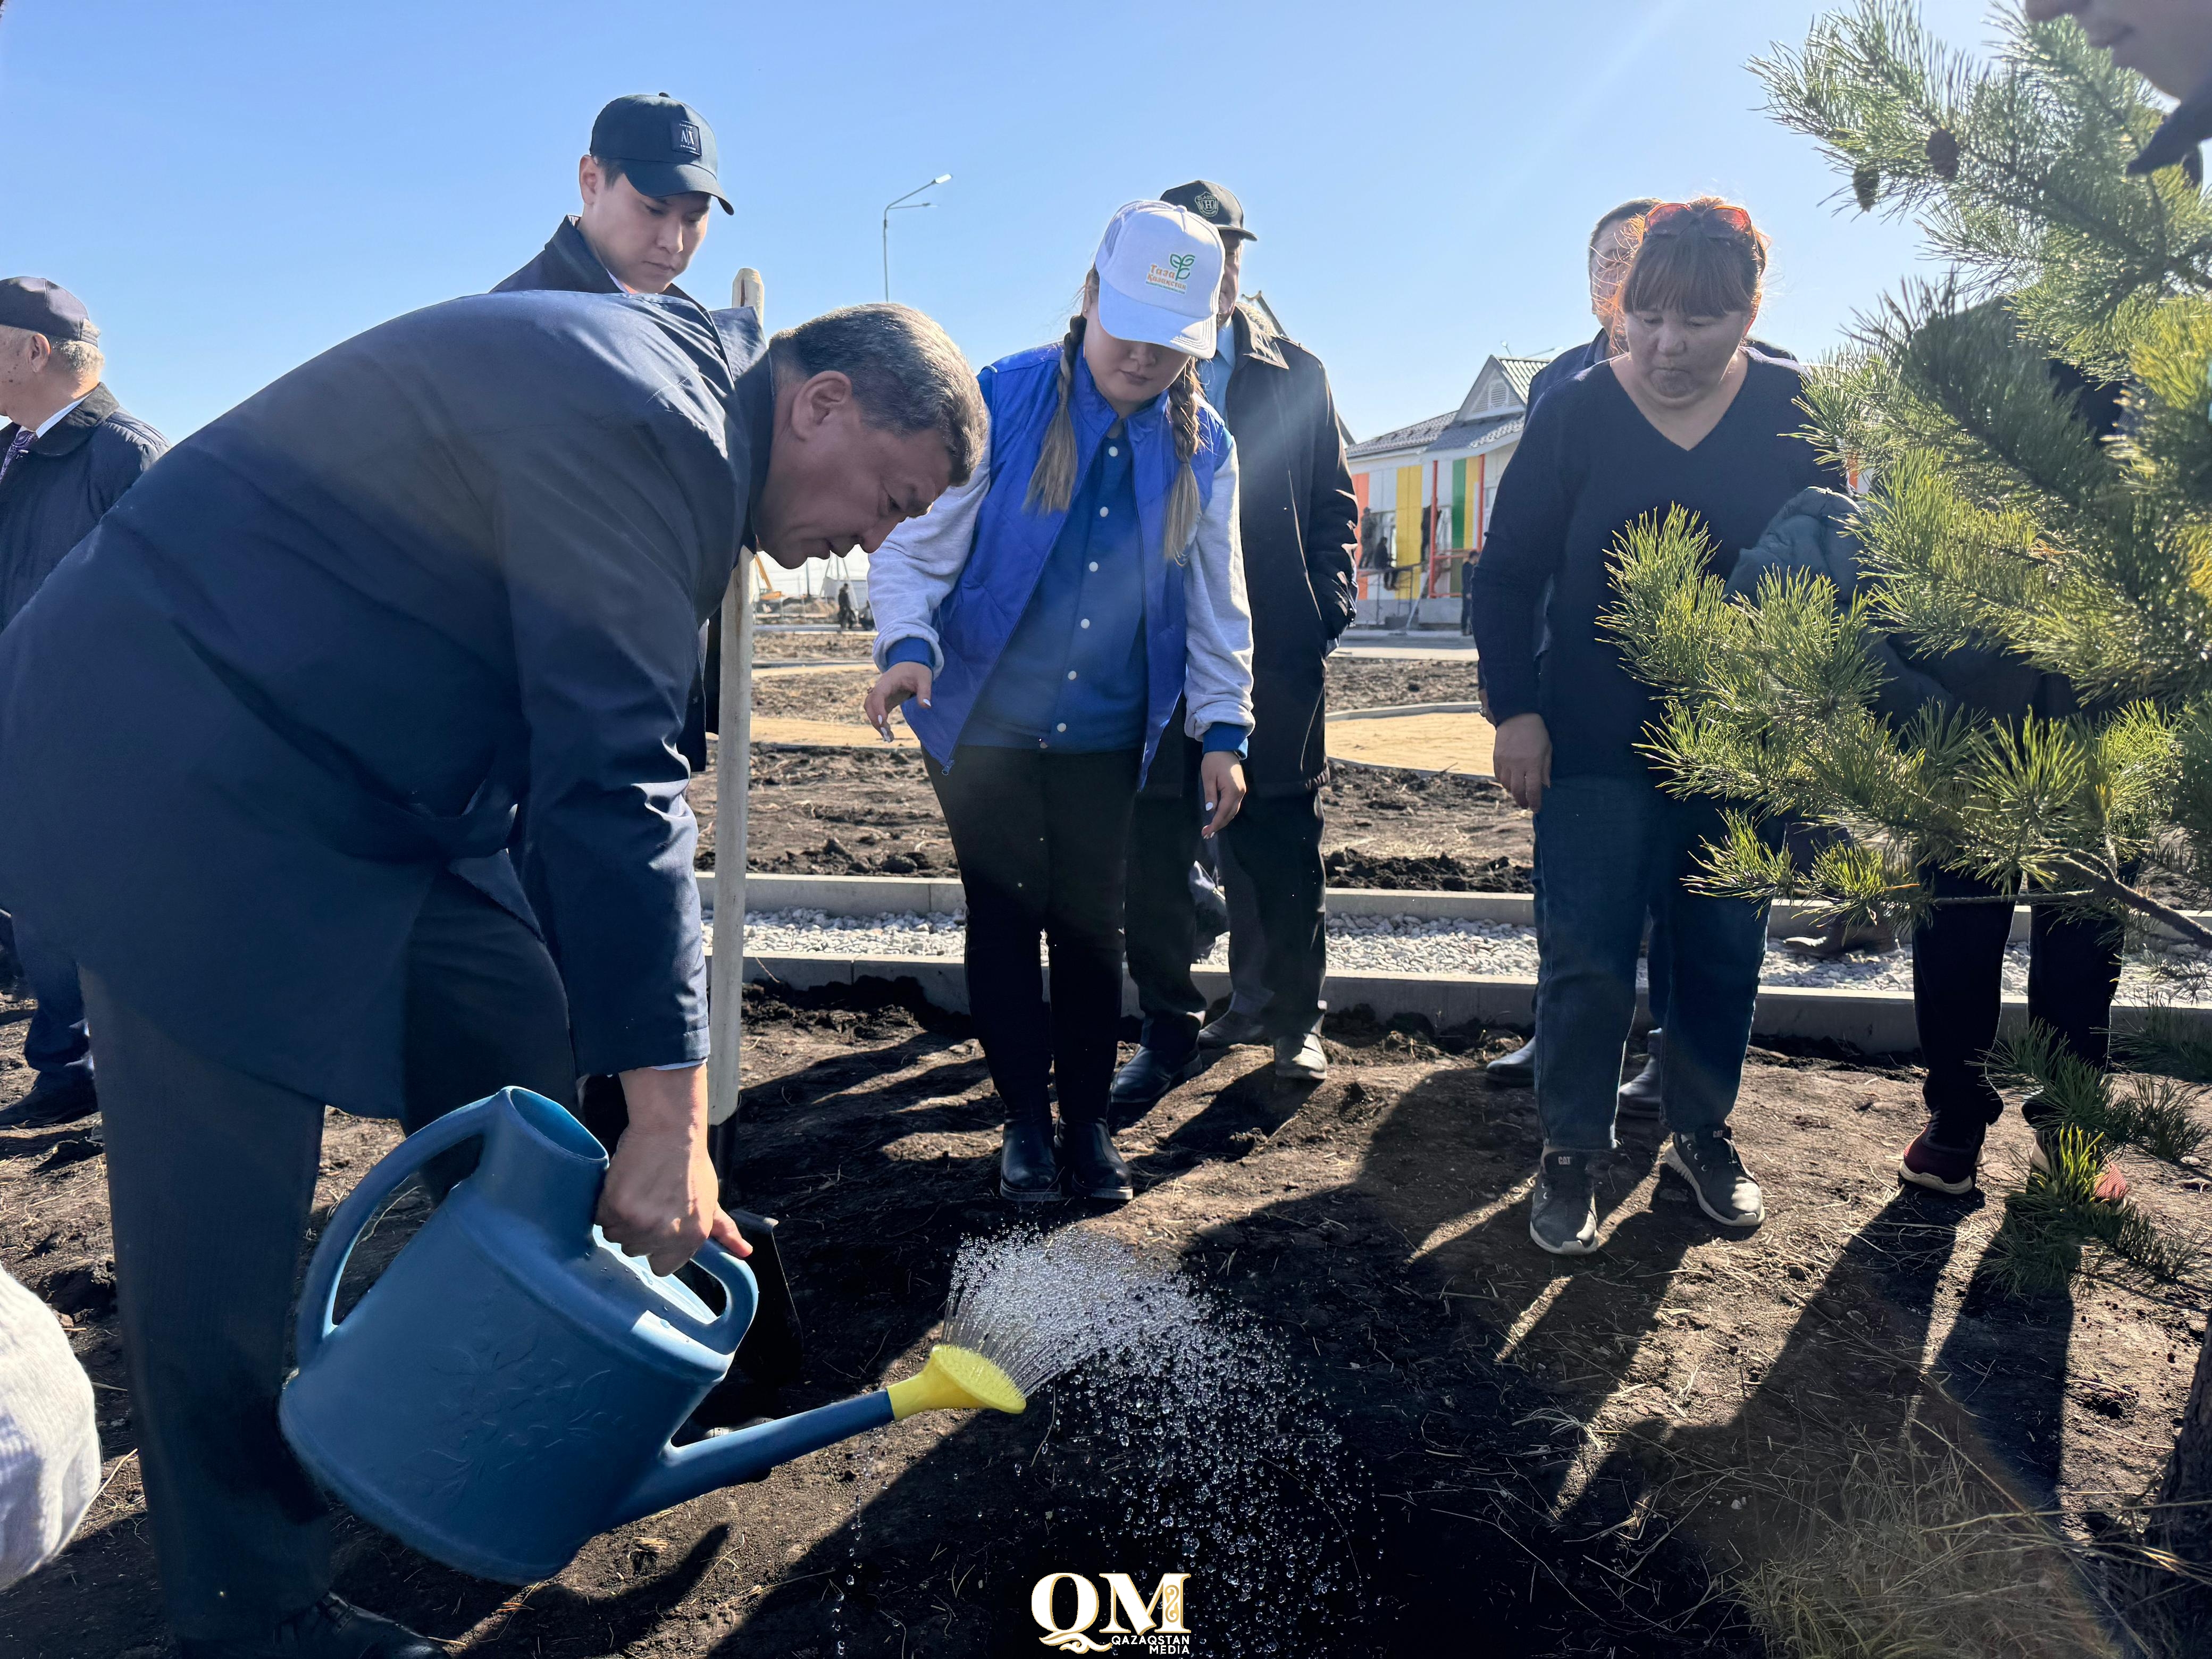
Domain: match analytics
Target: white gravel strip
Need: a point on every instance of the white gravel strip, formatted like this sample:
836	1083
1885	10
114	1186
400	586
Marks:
1413	944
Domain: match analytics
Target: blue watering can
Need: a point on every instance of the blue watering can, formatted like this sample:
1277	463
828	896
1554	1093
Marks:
507	1388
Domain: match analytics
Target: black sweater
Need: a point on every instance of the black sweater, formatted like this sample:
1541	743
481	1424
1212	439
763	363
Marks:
1588	466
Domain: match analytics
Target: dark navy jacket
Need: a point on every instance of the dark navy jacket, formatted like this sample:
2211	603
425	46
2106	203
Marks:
56	490
338	634
566	264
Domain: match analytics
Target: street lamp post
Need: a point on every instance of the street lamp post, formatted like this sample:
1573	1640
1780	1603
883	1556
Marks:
902	205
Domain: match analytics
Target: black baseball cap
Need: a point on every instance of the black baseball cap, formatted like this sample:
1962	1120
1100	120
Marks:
45	307
1213	203
665	146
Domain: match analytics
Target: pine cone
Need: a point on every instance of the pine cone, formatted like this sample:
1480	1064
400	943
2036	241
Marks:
1866	185
1943	153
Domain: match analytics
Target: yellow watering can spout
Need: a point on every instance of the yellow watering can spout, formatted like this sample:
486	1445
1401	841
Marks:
954	1379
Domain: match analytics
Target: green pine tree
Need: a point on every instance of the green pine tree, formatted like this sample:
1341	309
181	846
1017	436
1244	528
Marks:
1996	518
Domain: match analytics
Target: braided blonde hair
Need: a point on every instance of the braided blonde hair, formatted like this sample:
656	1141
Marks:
1052	482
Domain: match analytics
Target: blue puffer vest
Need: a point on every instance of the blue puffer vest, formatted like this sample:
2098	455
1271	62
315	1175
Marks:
977	617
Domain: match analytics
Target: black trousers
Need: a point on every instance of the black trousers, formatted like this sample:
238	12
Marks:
1958	962
1040	839
212	1178
1275	842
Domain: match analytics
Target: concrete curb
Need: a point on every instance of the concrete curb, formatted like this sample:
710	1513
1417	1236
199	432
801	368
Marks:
1395	711
874	895
1872	1022
1876	1022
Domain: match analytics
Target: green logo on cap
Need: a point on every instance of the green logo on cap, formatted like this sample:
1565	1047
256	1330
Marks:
1180	264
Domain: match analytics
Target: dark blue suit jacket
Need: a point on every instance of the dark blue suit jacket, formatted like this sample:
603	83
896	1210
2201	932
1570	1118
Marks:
330	642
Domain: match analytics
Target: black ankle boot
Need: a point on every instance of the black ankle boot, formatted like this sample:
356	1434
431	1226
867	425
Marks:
1028	1172
1095	1169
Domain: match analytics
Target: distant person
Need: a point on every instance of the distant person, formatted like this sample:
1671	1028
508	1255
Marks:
1690	414
847	617
451	565
68	452
1108	499
1299	526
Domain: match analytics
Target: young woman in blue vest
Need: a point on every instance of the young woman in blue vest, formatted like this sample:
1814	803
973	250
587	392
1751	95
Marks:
1041	625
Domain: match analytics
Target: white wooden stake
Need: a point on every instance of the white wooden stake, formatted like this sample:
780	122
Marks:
733	769
732	775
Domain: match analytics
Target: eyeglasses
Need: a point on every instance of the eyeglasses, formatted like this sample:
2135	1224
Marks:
1715	221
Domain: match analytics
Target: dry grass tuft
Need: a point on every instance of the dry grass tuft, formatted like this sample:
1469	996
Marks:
1916	1554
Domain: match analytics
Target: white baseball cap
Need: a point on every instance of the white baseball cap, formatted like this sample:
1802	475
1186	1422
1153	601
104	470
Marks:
1159	268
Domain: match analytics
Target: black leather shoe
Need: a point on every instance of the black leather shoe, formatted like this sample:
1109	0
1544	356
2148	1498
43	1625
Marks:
1095	1169
330	1629
1147	1077
1028	1171
1516	1070
51	1102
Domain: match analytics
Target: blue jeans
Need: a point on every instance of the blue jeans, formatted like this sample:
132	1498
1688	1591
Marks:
1657	954
57	1045
1611	848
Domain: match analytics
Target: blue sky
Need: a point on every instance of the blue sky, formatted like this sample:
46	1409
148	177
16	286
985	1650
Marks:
233	185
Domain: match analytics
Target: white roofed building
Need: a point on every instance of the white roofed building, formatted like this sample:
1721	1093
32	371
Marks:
1425	490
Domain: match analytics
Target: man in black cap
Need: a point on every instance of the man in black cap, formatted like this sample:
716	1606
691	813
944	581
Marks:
453	565
647	182
1299	522
68	451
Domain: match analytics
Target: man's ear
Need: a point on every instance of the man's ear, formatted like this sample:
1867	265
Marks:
820	399
590	181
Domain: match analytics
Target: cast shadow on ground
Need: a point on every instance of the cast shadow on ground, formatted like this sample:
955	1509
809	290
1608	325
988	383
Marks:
375	1572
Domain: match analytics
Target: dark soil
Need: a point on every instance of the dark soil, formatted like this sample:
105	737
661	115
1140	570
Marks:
855	645
1561	1457
813	694
870	811
1388	682
834	813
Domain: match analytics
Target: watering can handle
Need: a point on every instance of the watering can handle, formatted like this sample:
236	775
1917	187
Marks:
319	1295
742	1295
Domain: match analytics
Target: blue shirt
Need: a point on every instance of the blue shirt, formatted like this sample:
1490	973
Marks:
1074	675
